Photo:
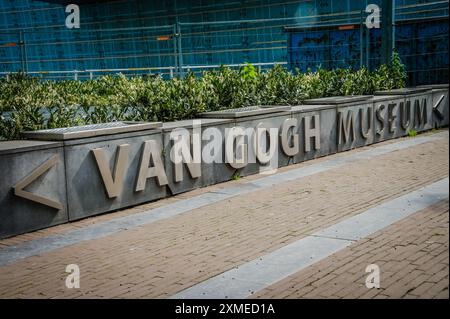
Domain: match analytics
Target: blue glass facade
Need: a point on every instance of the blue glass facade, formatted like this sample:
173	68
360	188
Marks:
161	34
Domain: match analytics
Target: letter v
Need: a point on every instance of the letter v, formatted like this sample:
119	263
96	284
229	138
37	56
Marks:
113	185
19	187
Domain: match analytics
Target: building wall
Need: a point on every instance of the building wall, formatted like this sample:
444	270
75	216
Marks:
139	34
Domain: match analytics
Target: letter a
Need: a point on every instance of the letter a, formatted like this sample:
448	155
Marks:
152	151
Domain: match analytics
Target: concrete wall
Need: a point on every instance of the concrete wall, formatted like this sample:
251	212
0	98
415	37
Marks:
22	159
68	180
327	117
86	192
211	173
269	120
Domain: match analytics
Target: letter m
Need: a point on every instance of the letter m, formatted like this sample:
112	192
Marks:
346	126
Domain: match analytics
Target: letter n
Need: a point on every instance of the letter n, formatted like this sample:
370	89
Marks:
420	112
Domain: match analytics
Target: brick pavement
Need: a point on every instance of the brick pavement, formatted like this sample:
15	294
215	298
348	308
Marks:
159	259
412	255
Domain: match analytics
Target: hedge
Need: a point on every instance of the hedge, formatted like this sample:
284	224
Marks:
27	103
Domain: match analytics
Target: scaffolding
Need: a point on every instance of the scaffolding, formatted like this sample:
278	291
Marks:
174	40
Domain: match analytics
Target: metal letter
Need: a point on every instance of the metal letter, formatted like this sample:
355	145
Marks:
405	114
238	134
260	139
181	153
151	153
362	120
309	132
19	187
380	118
113	185
436	111
392	108
285	145
420	112
344	127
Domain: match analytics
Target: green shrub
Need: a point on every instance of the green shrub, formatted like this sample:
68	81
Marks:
26	103
390	77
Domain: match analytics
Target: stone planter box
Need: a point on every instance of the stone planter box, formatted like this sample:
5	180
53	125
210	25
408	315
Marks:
422	109
248	119
404	91
32	186
85	131
62	175
353	121
326	116
392	117
417	102
213	172
87	192
439	94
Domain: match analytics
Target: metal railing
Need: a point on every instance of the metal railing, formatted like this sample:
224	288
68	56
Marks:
170	70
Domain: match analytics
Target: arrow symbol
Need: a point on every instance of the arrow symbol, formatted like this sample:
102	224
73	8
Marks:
436	110
19	187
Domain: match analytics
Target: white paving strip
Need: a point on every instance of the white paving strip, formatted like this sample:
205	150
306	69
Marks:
242	281
102	229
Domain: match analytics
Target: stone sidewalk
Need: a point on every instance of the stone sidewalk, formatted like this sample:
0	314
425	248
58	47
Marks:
161	258
412	256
